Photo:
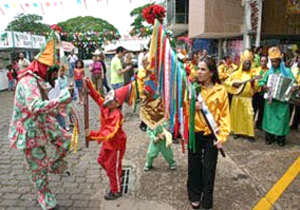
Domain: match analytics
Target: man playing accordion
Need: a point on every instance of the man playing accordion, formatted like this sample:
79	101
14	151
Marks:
277	112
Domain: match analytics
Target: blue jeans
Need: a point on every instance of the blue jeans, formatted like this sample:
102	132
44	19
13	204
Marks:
11	84
105	84
118	85
71	69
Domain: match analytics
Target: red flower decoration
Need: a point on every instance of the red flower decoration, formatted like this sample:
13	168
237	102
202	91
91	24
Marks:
56	28
154	12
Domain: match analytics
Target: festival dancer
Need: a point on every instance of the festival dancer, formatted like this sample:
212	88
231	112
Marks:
111	134
277	113
160	141
202	158
34	125
241	111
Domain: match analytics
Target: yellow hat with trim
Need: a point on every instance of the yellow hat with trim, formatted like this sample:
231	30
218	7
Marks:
274	52
247	55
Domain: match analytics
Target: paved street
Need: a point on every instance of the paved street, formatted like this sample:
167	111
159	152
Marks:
247	173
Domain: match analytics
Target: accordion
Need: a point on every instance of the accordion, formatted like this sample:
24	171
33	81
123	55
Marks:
279	88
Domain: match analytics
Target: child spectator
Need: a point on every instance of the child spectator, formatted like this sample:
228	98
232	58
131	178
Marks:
78	77
11	79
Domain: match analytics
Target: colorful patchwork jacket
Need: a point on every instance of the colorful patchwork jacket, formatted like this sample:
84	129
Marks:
33	122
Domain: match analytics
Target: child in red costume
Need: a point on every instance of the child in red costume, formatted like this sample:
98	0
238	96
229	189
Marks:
112	136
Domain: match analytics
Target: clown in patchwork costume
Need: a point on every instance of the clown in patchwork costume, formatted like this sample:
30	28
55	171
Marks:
33	123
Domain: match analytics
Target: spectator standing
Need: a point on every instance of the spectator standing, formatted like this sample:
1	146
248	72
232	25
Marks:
105	83
78	78
11	79
117	71
23	62
96	69
130	72
142	54
72	58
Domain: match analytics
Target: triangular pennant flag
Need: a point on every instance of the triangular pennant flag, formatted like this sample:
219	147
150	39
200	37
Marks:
2	11
26	5
14	5
78	1
55	4
35	5
85	5
6	6
62	6
42	9
48	4
22	8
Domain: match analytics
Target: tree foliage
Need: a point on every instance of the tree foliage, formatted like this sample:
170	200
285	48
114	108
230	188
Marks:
28	23
139	25
88	33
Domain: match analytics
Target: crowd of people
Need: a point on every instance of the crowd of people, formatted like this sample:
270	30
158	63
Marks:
233	93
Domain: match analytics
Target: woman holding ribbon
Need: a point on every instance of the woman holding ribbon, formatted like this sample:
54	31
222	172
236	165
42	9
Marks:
203	155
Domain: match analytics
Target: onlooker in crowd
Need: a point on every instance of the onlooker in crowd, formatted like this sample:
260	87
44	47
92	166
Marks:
72	58
117	71
204	55
105	83
128	62
96	69
11	79
295	60
78	78
257	55
142	54
23	62
62	78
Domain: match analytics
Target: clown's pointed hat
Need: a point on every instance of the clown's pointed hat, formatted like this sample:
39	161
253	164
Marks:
48	55
122	93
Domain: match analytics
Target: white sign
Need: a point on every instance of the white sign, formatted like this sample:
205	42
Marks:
6	39
37	41
22	40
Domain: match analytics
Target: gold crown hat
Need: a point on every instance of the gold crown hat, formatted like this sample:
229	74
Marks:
247	55
47	55
274	52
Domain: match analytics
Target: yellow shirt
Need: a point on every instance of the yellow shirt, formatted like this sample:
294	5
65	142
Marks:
217	102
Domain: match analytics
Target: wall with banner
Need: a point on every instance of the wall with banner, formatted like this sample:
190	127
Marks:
14	39
6	39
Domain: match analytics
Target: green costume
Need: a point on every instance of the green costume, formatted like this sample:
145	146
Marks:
276	114
155	148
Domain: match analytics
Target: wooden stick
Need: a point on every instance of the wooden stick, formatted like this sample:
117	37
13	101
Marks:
86	113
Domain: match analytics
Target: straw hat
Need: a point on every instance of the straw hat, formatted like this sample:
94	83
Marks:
97	52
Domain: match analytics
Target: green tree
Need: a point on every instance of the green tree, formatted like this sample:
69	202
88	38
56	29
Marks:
140	27
28	23
88	33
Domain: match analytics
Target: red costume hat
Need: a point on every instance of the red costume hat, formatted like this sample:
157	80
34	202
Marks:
120	95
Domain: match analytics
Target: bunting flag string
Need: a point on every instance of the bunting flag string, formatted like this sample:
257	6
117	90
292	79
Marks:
44	5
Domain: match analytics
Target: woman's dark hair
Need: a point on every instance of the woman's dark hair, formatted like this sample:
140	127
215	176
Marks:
211	65
79	61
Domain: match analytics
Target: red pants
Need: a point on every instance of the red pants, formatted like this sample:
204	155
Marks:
111	161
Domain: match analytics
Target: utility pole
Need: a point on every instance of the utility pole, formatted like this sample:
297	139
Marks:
258	31
247	24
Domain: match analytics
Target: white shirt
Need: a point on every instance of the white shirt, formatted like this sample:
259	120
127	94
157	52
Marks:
23	64
54	93
140	60
72	59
